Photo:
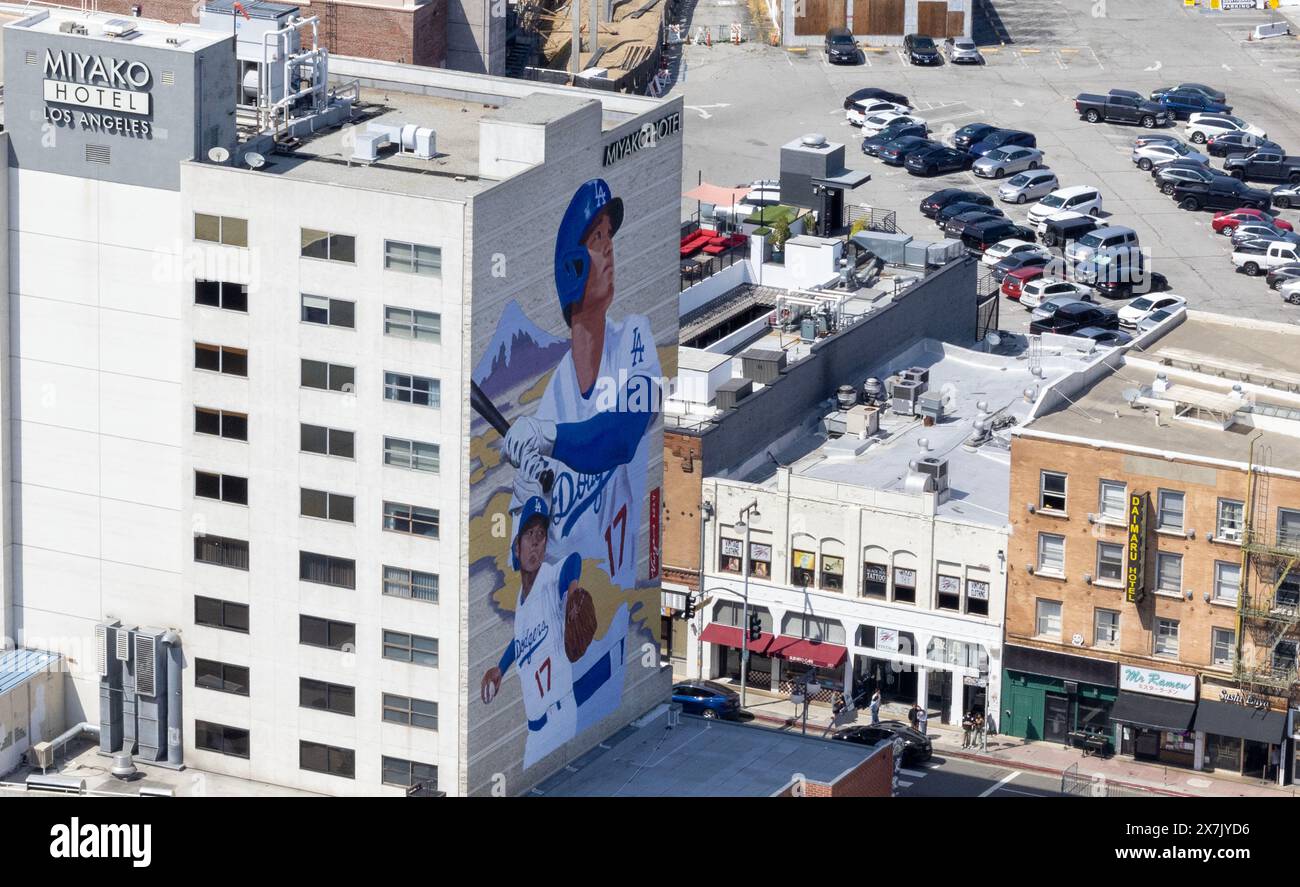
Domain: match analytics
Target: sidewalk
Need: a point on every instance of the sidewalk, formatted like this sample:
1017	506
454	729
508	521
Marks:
1019	754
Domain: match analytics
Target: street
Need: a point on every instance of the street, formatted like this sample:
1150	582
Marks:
958	778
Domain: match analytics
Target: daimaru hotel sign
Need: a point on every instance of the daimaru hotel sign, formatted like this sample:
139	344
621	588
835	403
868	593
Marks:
98	84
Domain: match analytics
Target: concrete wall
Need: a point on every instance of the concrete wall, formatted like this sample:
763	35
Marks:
7	628
873	778
30	713
476	36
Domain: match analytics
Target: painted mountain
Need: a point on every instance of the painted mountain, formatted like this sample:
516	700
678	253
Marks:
519	352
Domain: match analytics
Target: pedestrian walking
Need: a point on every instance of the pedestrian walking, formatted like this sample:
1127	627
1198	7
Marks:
967	726
875	707
924	717
981	735
913	716
838	706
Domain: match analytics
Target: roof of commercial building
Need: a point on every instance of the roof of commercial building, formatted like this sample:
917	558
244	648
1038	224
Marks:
701	758
148	32
17	666
1202	358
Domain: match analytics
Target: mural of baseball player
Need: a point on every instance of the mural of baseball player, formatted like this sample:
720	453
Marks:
555	621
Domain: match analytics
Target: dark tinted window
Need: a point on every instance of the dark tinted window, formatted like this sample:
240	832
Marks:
220	614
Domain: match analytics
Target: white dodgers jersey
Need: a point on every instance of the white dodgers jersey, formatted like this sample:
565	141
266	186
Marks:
545	674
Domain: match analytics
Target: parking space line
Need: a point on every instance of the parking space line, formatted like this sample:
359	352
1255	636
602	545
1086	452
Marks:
903	783
915	774
1006	779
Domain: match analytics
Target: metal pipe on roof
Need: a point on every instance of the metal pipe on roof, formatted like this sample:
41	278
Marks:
171	641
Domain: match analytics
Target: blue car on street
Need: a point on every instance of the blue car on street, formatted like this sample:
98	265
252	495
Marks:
1182	103
707	699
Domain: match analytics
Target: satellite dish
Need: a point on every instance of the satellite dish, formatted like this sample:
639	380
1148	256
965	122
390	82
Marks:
218	155
1131	395
254	160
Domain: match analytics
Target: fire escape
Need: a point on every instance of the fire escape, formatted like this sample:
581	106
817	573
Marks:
523	38
1268	605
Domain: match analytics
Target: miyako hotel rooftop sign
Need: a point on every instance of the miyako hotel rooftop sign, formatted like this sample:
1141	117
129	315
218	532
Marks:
98	84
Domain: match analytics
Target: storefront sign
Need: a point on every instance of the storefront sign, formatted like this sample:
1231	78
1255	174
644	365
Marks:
1249	700
1167	684
949	585
874	573
645	137
1135	551
906	578
731	547
99	83
977	590
887	639
804	560
760	552
653	563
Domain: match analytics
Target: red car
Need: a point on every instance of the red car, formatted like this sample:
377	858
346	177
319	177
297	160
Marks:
1014	280
1226	220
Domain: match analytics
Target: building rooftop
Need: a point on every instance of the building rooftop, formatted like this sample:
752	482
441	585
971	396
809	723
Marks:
146	32
701	758
16	666
1202	359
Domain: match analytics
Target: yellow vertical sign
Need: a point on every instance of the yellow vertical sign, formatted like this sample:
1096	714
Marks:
1135	550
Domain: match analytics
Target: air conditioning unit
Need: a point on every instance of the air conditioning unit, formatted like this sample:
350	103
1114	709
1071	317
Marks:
916	374
903	395
146	665
119	27
937	469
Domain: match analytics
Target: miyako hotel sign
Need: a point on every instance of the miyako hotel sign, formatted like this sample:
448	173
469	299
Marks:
107	88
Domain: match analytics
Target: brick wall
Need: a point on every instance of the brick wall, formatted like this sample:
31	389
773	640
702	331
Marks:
681	518
873	778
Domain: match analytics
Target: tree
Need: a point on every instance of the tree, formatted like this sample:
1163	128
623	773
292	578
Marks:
780	233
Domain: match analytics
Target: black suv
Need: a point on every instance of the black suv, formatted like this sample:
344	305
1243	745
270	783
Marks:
871	145
938	160
981	236
931	205
840	46
1076	316
1172	174
921	50
1220	194
972	133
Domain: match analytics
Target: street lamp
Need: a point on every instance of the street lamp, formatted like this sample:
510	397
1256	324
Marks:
742	526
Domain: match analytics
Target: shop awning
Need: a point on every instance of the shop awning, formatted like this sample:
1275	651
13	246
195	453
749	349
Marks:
1031	660
1142	710
729	636
1241	721
716	194
818	653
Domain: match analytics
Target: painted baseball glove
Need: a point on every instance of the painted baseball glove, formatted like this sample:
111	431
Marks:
579	622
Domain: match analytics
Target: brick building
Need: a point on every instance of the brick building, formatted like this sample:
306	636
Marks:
1155	516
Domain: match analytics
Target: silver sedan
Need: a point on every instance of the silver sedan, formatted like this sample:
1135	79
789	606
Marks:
1151	155
1001	161
962	50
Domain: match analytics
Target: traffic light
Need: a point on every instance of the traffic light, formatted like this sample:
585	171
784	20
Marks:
689	612
755	627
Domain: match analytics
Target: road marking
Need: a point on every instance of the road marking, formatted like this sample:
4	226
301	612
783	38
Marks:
1068	49
1018	103
1226	68
704	114
1156	67
915	774
1013	791
903	783
991	789
1031	50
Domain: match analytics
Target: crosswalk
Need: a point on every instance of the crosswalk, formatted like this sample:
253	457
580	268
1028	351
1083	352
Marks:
913	775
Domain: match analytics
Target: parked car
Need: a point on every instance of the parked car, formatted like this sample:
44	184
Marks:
1036	292
1064	227
1155	154
1225	221
1075	316
1171	175
1201	127
873	92
1000	161
1219	194
957	225
936	161
920	50
1286	196
1274	254
1050	263
1003	138
1264	165
1003	248
1237	143
978	238
972	133
1120	106
1103	337
1026	186
706	698
1291	292
1182	103
1136	281
872	144
1281	275
1049	307
1247	231
957	207
1077	198
931	204
1140	309
841	47
897	151
916	745
962	51
1155	319
1105	241
1014	281
1208	91
874	123
858	113
1157	138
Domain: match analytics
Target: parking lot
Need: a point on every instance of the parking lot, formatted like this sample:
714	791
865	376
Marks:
744	102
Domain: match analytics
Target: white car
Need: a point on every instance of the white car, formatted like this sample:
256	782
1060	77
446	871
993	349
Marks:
1036	292
1291	292
1077	199
1013	247
859	111
1202	127
1155	318
1143	307
874	123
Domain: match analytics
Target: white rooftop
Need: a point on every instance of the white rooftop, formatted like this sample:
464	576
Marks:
146	32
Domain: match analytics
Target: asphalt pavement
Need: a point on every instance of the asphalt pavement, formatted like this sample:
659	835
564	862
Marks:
955	778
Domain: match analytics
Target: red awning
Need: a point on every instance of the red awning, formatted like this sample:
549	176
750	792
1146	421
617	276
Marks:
716	194
818	653
729	636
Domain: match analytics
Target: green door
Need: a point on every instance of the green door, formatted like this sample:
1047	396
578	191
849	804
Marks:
1026	713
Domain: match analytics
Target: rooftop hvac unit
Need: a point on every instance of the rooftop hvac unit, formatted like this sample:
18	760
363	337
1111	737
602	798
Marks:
119	27
732	392
762	365
55	782
903	395
918	374
936	469
123	640
74	28
930	405
146	666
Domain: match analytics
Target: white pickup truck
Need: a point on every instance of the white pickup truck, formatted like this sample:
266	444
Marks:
1265	256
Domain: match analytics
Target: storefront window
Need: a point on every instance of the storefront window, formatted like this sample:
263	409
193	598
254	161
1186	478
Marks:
1094	716
977	597
803	568
832	573
904	585
729	558
1179	742
1224	752
813	628
949	597
760	560
875	580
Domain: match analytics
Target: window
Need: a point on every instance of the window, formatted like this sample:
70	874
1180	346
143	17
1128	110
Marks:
326	506
323	696
1227	581
225	487
977	597
875	580
1113	501
1051	491
949	593
214	294
410	712
411	454
328	312
231	741
803	568
328	376
729	561
316	632
832	574
1284	656
904	585
222	423
326	441
327	759
221	229
222	552
412	584
331	247
812	628
412	258
411	648
1232	516
1110	562
1169	573
1105	628
325	570
418	390
1288	528
1166	637
216	613
410	519
221	359
1169	515
1051	554
760	560
407	323
1048	623
408	773
1223	646
221	676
